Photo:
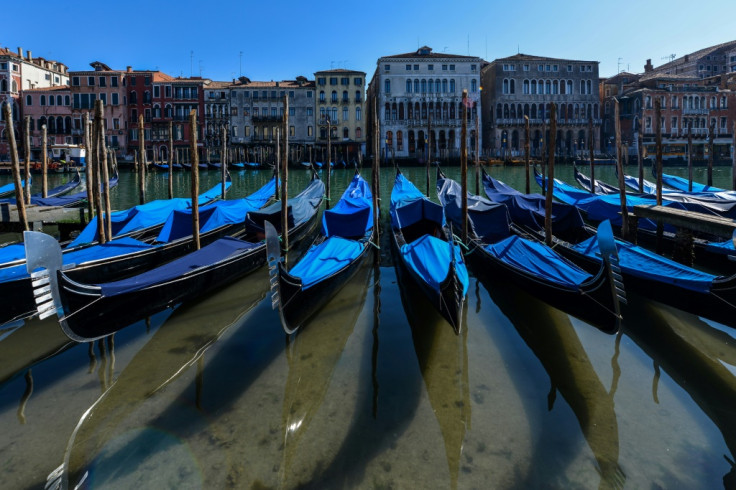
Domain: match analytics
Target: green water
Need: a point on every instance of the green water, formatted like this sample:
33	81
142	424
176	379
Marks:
376	392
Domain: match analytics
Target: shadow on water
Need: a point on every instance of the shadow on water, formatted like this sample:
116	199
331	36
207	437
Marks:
179	344
312	355
443	360
550	335
386	409
699	357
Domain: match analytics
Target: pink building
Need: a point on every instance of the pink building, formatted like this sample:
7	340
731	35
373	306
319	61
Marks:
50	107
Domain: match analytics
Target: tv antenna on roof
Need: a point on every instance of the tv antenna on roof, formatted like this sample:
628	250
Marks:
669	57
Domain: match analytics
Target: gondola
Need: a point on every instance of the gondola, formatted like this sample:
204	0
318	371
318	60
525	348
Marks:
585	183
164	167
127	256
495	253
426	249
73	199
682	184
51	193
9	189
91	311
334	257
644	272
216	165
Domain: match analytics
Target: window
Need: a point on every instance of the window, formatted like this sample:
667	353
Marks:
103	82
358	81
408	86
167	91
473	67
75	81
321	95
291	94
452	85
114	82
334	96
408	67
416	67
43	100
345	114
147	81
674	123
91	81
309	94
51	100
132	80
444	67
235	131
310	111
29	100
157	91
387	86
540	68
310	131
103	98
473	85
387	67
431	67
452	67
292	130
345	97
358	113
321	81
526	68
333	80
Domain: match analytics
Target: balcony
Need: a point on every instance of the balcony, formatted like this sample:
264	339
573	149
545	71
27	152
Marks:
690	111
264	119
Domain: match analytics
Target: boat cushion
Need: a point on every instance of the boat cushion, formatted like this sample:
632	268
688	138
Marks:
640	262
325	259
539	260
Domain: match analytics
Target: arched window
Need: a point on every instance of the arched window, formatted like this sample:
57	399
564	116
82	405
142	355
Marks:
506	113
345	97
526	110
534	87
452	111
358	133
387	112
51	100
29	100
399	140
424	110
424	86
513	111
512	87
499	113
68	125
437	86
169	111
67	100
525	89
569	86
473	85
505	86
430	86
595	111
547	87
389	138
562	87
387	86
43	100
321	95
589	84
3	85
401	111
533	113
58	100
452	85
408	86
14	86
346	114
393	111
416	85
345	133
444	86
555	87
582	86
333	96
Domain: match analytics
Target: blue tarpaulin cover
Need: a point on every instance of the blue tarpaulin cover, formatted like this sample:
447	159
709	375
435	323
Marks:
114	248
353	214
430	258
300	208
325	259
682	184
8	188
529	210
71	199
142	216
539	260
215	252
488	220
642	263
220	213
409	206
12	252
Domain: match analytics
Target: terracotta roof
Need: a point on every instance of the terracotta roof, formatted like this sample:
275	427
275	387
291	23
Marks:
7	52
696	55
665	76
161	77
215	84
530	57
272	84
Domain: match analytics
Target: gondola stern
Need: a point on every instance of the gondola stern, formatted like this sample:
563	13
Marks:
44	252
609	254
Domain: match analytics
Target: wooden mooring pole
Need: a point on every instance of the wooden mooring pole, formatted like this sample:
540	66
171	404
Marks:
690	156
711	156
27	164
733	157
88	167
429	147
640	155
329	155
591	154
658	130
44	163
550	178
10	132
528	132
285	204
96	192
375	177
464	166
105	176
223	162
195	176
171	159
142	162
477	150
620	168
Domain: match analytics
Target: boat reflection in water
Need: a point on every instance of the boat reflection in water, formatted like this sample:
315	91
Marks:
550	335
700	358
116	436
443	361
312	355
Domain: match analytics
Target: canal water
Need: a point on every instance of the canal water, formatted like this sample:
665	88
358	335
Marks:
376	392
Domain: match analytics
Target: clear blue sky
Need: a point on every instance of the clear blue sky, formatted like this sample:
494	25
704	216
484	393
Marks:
283	39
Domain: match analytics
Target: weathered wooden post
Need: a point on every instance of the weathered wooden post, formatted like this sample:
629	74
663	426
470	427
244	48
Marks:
285	205
142	163
96	191
376	179
429	147
88	168
223	162
733	158
711	155
277	176
10	132
550	177
464	166
544	153
620	168
44	163
195	176
104	175
27	165
285	124
658	129
641	159
171	159
527	135
690	156
591	146
329	143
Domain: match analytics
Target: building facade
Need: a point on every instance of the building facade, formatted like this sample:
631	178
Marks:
216	116
341	106
257	110
412	88
525	86
17	73
50	107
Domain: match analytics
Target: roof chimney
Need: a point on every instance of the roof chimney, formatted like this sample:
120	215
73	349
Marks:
129	69
648	67
30	58
20	52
